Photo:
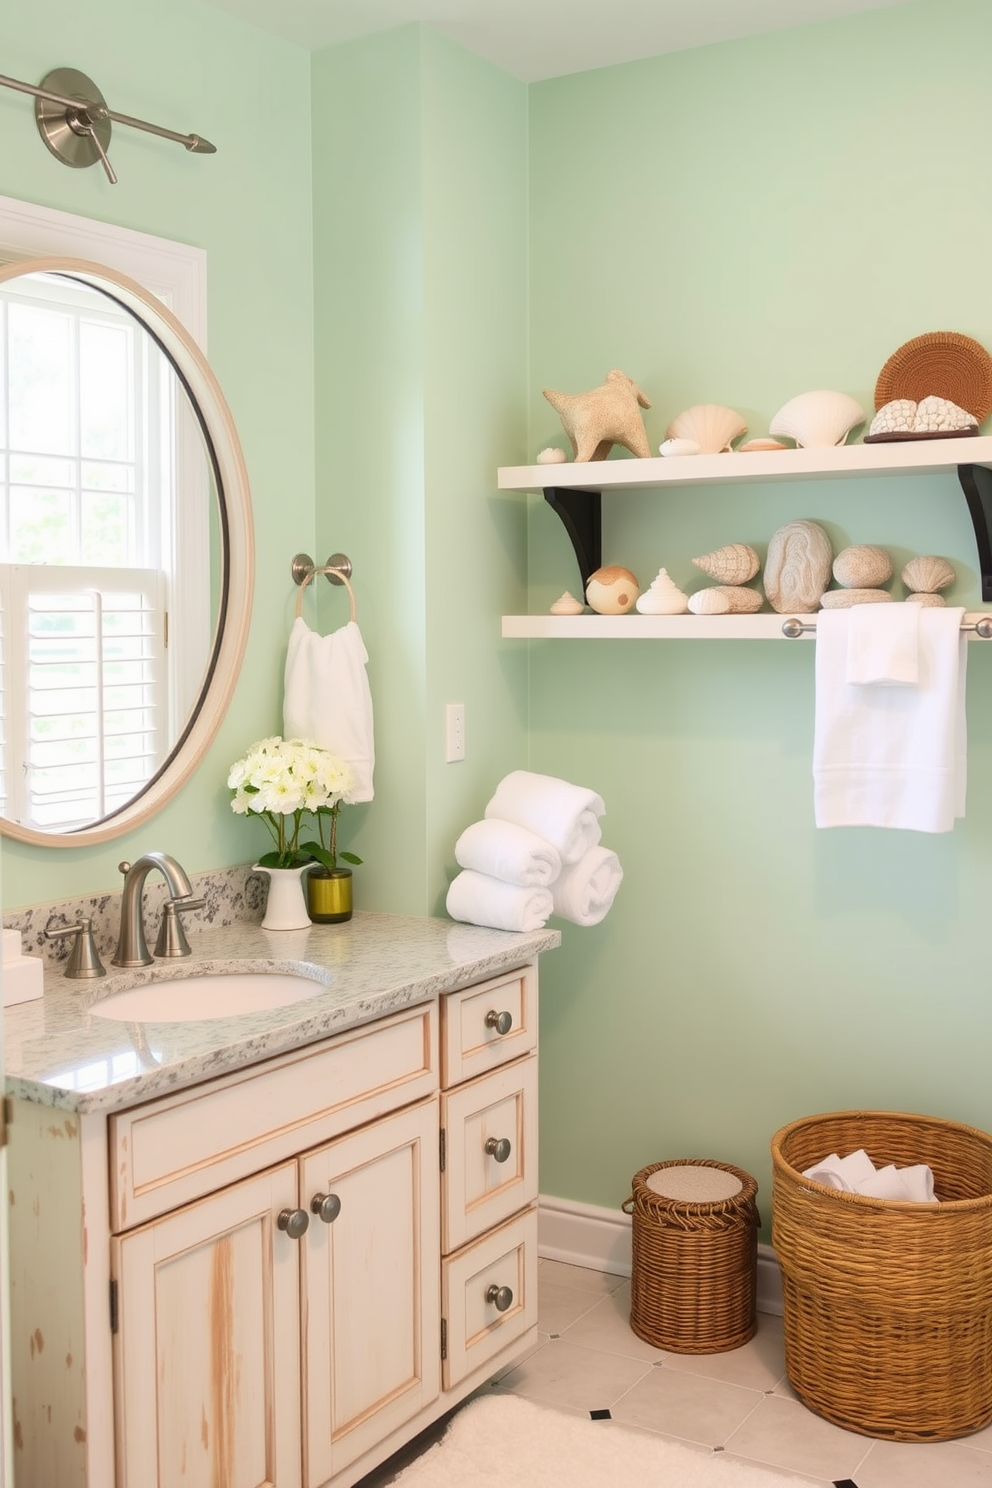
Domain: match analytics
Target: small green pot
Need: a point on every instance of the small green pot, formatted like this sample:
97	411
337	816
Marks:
329	895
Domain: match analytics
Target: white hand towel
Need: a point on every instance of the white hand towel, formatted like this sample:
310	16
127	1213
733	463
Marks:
586	890
883	645
508	852
327	698
891	756
564	815
486	901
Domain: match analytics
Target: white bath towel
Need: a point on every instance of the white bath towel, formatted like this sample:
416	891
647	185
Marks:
856	1173
891	756
586	890
327	698
508	852
481	900
565	815
883	645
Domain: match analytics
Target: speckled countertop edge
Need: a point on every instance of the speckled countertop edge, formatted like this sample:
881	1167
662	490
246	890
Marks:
58	1054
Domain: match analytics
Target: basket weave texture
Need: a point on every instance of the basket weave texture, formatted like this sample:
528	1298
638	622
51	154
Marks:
693	1287
888	1306
944	363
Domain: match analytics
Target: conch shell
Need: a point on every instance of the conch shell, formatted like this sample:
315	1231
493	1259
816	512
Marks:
713	427
734	564
863	566
567	605
928	575
664	597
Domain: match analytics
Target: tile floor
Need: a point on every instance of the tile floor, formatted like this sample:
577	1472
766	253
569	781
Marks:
589	1359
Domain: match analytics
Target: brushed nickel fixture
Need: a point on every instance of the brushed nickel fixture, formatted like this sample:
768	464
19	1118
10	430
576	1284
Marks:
75	122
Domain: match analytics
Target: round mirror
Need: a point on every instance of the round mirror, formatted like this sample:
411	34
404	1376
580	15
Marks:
126	553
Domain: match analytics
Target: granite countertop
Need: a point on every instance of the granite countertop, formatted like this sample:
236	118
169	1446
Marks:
58	1054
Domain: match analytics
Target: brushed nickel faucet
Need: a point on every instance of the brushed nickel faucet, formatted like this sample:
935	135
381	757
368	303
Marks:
132	948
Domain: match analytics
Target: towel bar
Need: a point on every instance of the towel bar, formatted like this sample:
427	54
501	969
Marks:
792	628
337	570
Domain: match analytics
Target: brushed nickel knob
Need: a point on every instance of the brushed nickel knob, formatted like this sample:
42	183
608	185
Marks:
327	1207
499	1148
295	1222
502	1022
502	1296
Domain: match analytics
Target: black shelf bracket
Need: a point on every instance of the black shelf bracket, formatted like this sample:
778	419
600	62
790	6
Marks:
581	516
976	483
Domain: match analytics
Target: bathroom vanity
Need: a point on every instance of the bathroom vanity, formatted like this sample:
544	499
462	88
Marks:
272	1249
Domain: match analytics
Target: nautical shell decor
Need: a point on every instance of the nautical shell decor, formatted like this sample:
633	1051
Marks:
818	420
709	602
843	599
567	605
726	599
904	419
735	564
862	567
713	427
551	456
664	597
608	415
928	575
797	568
760	446
670	447
929	601
612	590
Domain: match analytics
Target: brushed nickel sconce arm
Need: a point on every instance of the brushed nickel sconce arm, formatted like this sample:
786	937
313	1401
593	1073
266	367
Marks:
75	122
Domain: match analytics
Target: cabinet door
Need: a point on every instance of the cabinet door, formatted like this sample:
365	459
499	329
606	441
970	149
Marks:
207	1366
490	1171
370	1287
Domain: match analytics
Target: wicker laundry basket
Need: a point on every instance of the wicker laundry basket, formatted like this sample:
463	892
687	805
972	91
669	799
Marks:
888	1306
693	1286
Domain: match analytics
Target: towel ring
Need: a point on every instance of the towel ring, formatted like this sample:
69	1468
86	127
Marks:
337	570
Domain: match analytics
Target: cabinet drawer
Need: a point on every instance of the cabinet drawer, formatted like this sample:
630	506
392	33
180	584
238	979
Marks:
476	1329
183	1146
483	1187
471	1042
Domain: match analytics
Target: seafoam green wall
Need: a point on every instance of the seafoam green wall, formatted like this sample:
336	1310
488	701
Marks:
737	225
190	67
420	302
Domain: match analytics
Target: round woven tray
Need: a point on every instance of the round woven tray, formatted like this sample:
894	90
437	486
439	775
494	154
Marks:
943	364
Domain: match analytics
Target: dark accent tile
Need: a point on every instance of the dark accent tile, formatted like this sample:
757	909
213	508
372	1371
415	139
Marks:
845	1483
601	1415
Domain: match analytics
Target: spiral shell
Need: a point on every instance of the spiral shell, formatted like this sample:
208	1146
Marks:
734	564
709	602
929	601
928	575
797	568
713	427
863	566
567	605
843	599
818	420
664	597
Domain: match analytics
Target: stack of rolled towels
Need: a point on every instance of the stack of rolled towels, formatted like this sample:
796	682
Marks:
536	853
856	1173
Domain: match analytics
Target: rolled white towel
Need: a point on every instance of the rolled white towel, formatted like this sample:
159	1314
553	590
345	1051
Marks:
508	852
585	891
481	900
564	815
912	1185
844	1173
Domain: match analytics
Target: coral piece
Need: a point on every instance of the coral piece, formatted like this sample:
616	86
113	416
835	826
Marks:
664	597
818	420
713	427
902	418
709	602
844	599
734	564
928	575
928	600
609	415
863	566
567	605
797	568
679	447
551	456
760	446
612	590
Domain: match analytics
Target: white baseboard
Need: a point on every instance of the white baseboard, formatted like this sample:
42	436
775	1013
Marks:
587	1235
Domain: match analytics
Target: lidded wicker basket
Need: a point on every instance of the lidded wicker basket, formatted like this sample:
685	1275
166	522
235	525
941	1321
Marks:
693	1287
888	1306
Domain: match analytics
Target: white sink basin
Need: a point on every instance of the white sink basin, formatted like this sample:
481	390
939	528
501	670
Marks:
195	998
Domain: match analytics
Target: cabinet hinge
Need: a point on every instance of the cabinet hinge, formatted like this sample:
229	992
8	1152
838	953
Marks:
444	1338
442	1148
6	1117
113	1307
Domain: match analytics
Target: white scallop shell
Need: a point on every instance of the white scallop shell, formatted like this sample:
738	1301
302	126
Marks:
797	568
551	456
663	597
843	599
713	427
679	447
612	590
709	602
734	564
757	446
928	575
863	566
567	605
818	420
929	601
741	599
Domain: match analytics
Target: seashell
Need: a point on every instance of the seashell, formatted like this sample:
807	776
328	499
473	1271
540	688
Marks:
818	420
754	446
567	605
928	575
797	568
664	597
843	599
551	456
679	447
734	564
612	590
931	415
713	427
709	602
741	599
863	567
930	601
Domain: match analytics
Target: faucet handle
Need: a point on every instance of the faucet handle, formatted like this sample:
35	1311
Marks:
84	960
171	934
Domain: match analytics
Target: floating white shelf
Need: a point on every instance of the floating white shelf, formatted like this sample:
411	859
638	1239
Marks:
668	627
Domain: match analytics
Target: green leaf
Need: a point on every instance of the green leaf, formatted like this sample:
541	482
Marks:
350	858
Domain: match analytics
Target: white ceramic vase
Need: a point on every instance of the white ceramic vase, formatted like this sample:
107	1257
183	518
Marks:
286	905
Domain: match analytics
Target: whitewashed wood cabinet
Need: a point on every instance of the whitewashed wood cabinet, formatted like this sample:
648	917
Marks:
279	1276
